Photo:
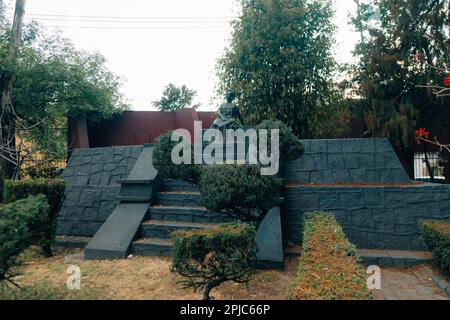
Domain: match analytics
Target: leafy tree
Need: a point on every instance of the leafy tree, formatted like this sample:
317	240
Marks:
54	80
280	62
404	44
175	98
291	147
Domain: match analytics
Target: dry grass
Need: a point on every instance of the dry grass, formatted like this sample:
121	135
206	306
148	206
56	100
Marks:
137	278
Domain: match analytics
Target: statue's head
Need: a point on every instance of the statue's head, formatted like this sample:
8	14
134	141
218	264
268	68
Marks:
230	96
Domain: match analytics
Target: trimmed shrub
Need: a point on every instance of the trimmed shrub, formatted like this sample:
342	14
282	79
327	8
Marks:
328	269
53	189
207	258
239	191
46	170
163	162
19	221
436	235
291	147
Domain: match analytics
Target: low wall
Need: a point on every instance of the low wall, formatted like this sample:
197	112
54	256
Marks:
381	217
349	160
91	187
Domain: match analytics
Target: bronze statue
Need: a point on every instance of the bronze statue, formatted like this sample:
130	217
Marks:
227	114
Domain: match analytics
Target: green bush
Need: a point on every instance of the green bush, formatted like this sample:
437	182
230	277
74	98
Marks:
328	269
436	235
166	168
239	191
207	258
291	147
53	189
42	171
19	222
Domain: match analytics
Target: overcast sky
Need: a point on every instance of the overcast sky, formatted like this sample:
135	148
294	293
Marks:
175	41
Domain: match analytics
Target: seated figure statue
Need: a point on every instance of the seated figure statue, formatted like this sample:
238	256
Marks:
227	114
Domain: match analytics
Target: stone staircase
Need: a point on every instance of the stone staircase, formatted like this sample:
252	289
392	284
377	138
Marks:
177	206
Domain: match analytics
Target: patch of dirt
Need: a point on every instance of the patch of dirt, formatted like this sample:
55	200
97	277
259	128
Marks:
140	278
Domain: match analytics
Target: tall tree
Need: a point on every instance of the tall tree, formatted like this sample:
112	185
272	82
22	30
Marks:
175	98
53	80
7	79
281	64
404	43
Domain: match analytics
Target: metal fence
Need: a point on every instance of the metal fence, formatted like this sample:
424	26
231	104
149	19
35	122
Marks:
420	166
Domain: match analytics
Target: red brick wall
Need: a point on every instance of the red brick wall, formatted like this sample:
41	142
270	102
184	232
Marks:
139	127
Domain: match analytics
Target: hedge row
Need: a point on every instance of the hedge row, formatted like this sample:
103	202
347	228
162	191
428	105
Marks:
53	189
329	268
20	226
436	235
206	258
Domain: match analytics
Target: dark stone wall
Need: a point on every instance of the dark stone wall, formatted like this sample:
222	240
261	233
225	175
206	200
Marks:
349	160
381	217
91	187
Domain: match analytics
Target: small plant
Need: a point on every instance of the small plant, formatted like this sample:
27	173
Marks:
19	221
328	269
207	258
162	161
291	147
239	191
53	189
436	235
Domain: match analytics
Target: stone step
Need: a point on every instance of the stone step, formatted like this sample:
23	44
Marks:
152	247
381	258
69	242
163	229
195	214
176	185
394	258
179	198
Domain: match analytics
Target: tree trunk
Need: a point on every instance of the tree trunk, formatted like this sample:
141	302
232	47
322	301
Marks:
211	285
427	162
7	114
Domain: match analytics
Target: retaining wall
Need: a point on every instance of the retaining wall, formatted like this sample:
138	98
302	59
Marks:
349	160
382	217
91	187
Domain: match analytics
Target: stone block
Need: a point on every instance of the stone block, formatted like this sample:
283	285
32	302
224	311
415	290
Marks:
334	146
336	161
362	219
81	180
328	200
308	201
350	199
316	177
350	161
308	162
63	227
342	175
320	160
318	146
373	197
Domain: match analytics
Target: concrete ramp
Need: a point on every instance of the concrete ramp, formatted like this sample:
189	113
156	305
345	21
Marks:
113	239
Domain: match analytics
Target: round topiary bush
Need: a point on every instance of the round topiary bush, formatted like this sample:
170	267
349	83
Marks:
239	191
162	161
291	147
